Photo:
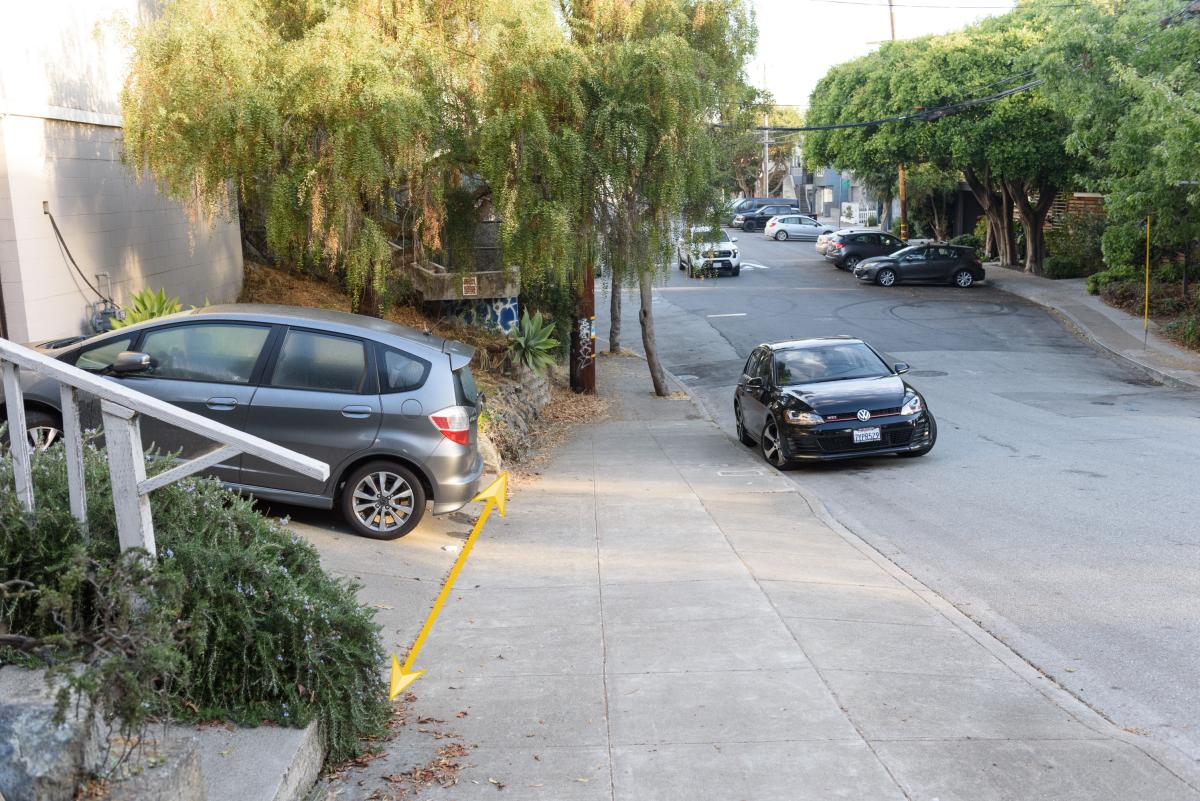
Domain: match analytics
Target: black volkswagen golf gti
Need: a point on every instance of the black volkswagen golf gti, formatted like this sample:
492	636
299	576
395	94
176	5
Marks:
829	398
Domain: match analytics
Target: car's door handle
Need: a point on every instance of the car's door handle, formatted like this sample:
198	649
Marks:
221	404
357	412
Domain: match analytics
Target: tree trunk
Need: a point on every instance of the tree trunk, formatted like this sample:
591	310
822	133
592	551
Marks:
994	205
1008	237
885	214
614	316
1033	221
646	318
989	244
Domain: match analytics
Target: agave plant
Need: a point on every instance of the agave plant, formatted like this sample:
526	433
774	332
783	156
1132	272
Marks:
146	305
533	343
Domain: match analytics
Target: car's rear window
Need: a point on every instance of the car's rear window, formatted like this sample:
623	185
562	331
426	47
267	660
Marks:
464	384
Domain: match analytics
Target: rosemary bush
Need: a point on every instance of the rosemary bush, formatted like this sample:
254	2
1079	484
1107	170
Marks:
233	618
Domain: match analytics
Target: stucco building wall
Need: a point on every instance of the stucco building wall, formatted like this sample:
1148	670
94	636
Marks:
62	63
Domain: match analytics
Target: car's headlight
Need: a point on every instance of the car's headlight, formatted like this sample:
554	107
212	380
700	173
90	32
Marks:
804	418
735	253
912	404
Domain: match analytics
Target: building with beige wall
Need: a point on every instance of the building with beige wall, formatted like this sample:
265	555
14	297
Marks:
62	64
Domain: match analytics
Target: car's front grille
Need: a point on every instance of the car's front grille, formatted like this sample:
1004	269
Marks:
837	418
723	254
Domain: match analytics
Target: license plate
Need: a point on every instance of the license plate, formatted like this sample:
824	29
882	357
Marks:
866	435
723	265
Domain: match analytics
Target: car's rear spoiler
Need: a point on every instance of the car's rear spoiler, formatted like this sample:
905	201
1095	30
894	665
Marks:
460	354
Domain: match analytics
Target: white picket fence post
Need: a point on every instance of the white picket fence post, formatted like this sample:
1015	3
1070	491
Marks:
121	408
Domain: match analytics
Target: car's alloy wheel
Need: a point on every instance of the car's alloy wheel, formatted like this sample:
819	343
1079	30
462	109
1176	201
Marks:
851	262
743	435
773	448
963	279
886	277
781	235
383	500
41	430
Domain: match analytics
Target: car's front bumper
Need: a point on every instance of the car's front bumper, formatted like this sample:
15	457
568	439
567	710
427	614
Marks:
828	441
865	274
718	265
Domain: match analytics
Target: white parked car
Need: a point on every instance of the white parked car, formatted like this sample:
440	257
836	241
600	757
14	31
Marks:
795	226
708	251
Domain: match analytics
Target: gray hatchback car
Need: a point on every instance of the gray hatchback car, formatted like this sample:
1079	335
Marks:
393	411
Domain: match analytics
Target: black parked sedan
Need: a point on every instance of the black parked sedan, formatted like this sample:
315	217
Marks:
847	248
829	398
923	264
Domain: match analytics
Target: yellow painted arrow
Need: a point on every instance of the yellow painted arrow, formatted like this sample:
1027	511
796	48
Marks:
495	495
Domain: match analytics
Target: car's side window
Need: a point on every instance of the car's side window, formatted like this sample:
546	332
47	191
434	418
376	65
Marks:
751	363
763	368
402	372
918	255
323	362
101	356
220	352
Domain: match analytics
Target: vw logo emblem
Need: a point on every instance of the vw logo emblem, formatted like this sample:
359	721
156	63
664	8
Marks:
864	415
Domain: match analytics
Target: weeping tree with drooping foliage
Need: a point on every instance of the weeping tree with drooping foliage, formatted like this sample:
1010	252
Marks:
313	117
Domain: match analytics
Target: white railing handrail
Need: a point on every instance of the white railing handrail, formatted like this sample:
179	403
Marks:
120	406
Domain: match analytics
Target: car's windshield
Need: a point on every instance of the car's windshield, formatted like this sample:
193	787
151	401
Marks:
707	236
827	363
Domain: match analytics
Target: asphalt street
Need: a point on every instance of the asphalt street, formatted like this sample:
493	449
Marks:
1059	506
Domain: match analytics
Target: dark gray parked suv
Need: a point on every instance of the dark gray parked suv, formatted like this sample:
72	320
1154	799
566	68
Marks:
394	412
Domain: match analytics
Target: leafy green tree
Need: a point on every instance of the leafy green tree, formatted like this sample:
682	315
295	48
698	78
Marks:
1129	86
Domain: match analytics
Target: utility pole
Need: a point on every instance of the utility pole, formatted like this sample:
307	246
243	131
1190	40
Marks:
766	173
900	178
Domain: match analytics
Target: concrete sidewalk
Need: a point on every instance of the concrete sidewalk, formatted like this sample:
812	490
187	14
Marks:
662	617
1112	330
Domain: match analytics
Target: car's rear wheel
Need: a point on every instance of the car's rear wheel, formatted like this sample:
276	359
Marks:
963	279
850	262
932	441
886	277
780	236
774	449
383	500
743	435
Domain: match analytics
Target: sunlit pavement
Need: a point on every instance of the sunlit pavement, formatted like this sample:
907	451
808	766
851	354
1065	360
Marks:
662	616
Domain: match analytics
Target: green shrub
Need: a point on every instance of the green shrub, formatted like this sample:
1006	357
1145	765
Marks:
533	344
872	221
1064	267
1076	239
971	241
1123	274
1185	330
146	305
1123	244
233	618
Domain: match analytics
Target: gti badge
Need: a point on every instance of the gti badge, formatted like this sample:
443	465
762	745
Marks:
864	415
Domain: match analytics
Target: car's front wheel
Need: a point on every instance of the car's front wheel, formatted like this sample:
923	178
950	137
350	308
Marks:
780	236
742	434
42	429
382	500
774	449
886	277
963	279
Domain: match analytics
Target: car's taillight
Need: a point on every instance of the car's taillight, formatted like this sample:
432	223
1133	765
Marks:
455	424
838	244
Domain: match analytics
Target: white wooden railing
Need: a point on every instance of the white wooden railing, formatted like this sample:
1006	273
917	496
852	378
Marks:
120	408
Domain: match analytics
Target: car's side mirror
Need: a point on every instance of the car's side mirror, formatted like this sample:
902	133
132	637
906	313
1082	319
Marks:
754	383
130	361
900	367
734	239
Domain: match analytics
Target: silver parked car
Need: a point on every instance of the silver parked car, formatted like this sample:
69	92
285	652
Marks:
394	412
795	226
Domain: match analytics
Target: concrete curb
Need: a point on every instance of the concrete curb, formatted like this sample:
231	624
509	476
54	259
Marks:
1081	330
1171	759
